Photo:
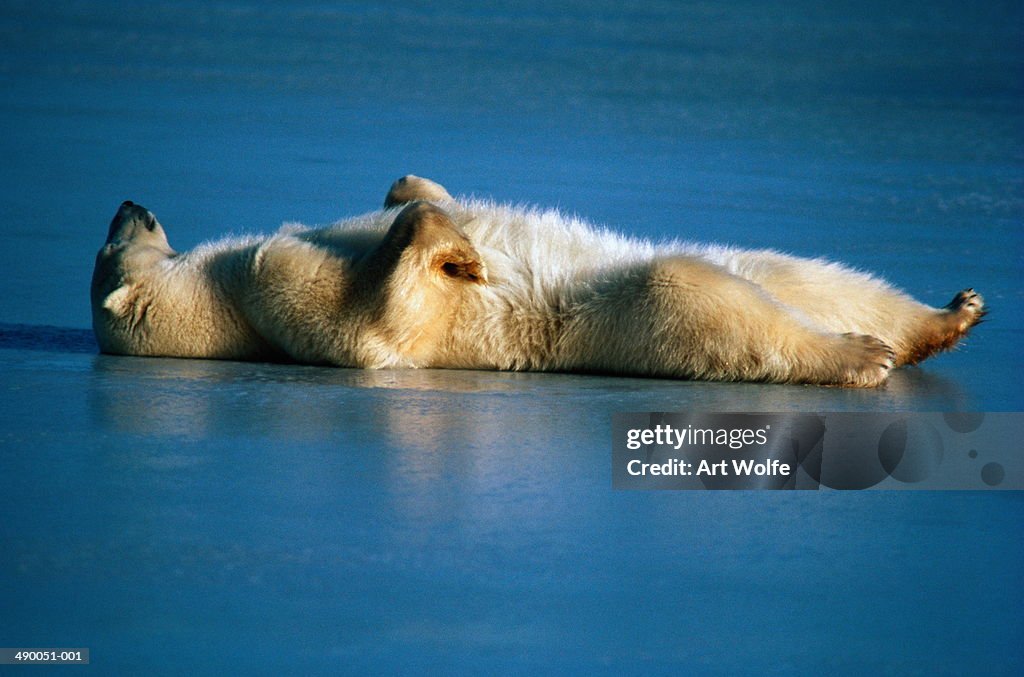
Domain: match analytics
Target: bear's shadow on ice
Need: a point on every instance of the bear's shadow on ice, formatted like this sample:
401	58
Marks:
46	338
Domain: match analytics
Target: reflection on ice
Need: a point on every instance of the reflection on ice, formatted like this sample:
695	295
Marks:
435	408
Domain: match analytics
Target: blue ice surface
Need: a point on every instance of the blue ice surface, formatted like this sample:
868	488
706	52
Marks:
216	517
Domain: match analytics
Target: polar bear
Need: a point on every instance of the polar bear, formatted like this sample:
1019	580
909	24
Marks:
431	281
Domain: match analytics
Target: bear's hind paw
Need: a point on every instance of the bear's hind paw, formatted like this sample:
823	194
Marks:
966	310
864	361
944	328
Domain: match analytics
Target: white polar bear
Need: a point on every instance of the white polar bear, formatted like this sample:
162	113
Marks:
431	281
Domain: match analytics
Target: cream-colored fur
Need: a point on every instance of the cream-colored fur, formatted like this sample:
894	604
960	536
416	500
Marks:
474	284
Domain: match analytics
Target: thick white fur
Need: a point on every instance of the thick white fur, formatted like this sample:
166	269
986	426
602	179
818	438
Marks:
530	290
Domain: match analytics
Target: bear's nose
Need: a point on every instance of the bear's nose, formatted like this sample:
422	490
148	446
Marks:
127	203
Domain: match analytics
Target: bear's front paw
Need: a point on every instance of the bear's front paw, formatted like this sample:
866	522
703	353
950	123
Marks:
410	188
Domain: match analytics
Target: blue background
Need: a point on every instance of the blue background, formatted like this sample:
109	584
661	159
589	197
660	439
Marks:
215	517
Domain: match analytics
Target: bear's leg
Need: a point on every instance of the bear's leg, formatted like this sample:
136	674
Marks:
844	300
411	188
388	308
422	244
942	328
686	317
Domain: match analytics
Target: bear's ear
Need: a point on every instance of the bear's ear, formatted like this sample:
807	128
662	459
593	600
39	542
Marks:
118	301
